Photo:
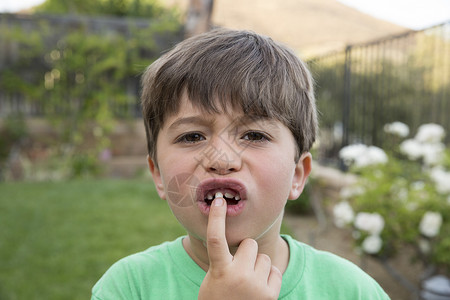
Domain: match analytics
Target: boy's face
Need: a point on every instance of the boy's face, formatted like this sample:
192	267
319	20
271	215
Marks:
250	161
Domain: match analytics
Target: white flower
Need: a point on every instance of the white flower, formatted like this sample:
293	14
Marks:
377	155
430	224
372	244
433	153
343	214
361	155
397	128
348	192
351	152
372	223
441	180
412	149
430	133
426	144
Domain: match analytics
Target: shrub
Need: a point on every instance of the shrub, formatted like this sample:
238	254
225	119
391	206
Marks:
402	196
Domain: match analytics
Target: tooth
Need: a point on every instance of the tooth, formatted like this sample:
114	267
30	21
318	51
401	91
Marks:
237	197
219	195
228	195
209	197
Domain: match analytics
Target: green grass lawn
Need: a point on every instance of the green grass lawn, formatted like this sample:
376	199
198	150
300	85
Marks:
57	239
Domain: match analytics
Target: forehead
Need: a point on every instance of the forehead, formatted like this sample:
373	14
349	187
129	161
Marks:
190	113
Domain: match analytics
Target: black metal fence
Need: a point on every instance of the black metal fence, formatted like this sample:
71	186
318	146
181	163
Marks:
402	78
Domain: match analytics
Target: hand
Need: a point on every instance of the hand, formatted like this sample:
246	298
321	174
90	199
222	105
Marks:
247	275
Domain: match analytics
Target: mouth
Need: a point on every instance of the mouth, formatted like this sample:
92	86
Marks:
232	191
232	197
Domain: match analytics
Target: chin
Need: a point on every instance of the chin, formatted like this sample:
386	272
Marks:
234	240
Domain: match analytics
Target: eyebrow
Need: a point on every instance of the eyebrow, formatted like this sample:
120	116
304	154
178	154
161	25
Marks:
198	120
244	120
263	121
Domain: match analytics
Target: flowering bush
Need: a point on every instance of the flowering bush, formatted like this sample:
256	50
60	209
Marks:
402	196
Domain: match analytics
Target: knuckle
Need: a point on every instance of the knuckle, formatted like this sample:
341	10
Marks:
264	258
250	243
218	273
214	241
241	278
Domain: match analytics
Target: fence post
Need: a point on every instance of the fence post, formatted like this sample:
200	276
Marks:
347	96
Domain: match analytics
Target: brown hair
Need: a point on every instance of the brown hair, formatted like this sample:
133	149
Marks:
227	68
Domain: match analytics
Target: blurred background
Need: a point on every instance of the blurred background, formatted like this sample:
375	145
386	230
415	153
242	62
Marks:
75	193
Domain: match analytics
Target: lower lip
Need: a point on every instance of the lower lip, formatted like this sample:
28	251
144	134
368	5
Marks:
232	210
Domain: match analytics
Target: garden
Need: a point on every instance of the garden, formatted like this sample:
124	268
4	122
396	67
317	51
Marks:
401	200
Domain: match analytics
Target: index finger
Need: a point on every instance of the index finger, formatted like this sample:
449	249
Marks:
216	242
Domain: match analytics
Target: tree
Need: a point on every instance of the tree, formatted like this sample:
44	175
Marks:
120	8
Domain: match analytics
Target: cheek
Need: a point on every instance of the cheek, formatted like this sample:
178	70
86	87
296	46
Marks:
276	177
178	180
175	166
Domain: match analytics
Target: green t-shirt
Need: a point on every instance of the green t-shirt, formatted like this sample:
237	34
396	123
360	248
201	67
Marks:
167	272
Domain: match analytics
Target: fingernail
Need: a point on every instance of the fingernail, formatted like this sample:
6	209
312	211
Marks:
218	202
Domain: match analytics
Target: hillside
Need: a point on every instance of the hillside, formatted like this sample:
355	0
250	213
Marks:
311	27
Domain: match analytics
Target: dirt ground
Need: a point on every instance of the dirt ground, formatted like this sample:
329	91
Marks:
339	241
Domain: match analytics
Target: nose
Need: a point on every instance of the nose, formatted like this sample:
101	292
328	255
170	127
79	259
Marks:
219	157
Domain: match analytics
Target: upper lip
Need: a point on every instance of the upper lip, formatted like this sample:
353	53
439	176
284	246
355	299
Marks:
223	184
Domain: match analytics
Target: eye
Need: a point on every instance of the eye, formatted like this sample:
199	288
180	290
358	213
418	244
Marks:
190	138
255	136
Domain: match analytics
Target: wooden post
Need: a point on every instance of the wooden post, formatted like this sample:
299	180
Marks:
198	18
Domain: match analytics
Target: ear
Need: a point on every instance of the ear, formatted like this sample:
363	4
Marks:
302	171
157	179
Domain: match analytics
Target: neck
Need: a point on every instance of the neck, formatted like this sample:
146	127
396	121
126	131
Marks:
270	243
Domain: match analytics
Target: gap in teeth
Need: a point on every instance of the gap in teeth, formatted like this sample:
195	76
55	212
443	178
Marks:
210	196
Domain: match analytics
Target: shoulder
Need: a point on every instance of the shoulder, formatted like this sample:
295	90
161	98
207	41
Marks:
153	257
333	274
126	276
322	261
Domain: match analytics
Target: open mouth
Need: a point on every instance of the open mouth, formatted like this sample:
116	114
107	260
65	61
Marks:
231	190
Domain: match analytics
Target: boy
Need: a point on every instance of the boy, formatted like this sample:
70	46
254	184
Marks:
230	117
